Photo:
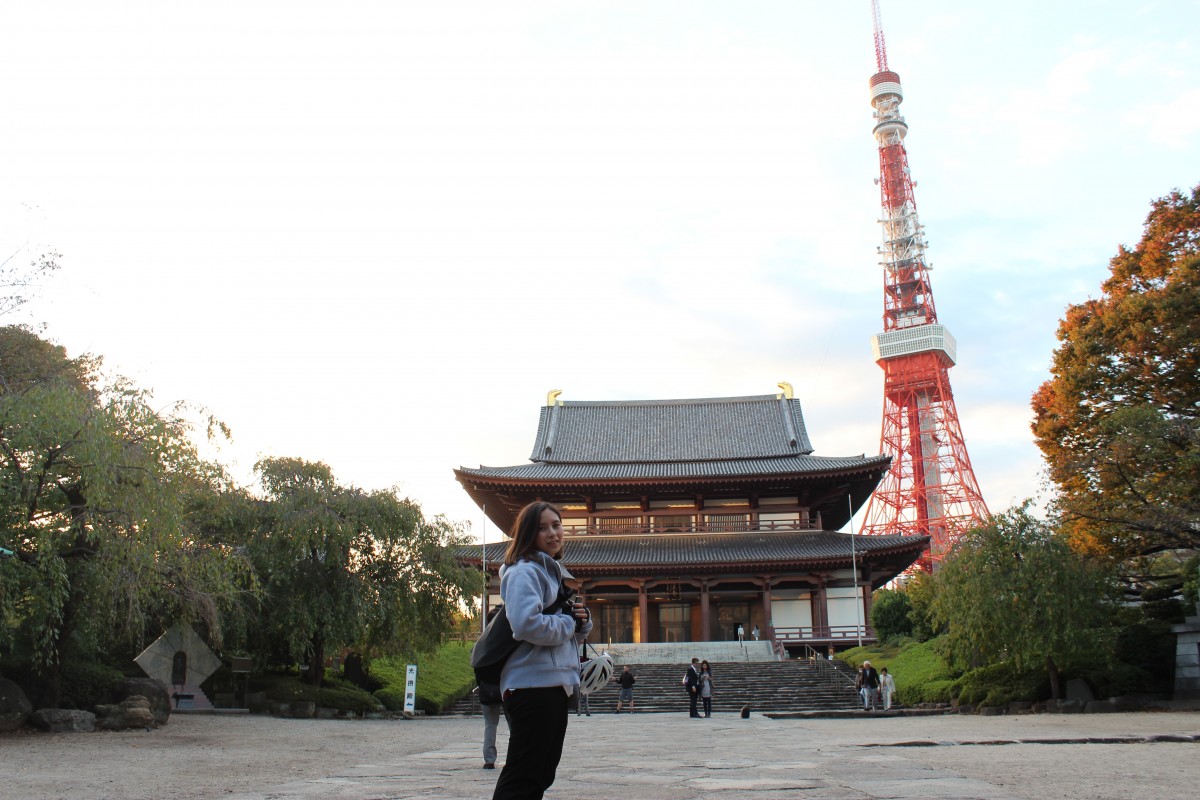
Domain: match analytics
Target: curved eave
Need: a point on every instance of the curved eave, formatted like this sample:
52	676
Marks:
612	556
511	492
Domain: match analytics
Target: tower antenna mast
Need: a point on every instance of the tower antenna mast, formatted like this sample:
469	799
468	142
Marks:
930	489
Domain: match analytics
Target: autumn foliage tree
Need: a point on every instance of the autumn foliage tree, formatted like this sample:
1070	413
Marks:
1119	420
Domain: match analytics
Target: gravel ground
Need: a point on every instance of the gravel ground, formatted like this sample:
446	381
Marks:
623	757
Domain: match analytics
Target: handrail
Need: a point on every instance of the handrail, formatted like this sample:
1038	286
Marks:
827	670
823	633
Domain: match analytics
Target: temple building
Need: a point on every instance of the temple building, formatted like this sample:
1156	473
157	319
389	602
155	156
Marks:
687	518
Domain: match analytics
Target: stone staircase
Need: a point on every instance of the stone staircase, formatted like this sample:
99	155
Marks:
738	680
180	702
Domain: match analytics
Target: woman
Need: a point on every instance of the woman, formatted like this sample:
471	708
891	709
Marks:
706	687
887	685
543	672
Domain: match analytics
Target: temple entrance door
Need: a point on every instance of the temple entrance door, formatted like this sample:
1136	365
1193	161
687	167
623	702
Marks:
616	623
729	616
675	622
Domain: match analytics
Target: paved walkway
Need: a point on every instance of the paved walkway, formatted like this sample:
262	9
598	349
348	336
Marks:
626	757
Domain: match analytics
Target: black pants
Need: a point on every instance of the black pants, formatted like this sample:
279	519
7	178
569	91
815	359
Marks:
537	725
693	695
707	706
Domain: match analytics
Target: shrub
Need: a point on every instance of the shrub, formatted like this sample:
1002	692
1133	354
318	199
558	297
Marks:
84	684
1001	684
890	615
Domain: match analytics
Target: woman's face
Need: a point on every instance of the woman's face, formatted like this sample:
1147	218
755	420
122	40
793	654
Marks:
550	533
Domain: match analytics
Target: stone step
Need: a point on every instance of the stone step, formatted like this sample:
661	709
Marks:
764	686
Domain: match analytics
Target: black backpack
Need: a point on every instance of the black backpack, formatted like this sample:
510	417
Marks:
496	644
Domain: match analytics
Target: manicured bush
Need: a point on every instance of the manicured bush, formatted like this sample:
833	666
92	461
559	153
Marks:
83	684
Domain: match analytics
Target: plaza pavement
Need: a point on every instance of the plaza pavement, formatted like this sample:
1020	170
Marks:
625	757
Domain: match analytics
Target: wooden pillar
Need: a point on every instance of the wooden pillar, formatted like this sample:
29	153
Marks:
821	607
705	614
644	611
768	626
867	599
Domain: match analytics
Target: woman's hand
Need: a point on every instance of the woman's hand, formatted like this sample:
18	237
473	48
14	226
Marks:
580	612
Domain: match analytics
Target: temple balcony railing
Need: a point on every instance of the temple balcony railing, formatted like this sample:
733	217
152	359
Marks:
637	529
824	634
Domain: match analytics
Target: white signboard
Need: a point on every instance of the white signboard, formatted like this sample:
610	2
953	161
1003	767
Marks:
410	690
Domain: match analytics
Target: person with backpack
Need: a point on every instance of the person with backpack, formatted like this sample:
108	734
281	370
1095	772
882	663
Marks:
542	673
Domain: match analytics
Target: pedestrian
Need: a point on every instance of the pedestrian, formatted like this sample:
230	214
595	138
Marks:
706	687
741	633
858	687
627	680
543	672
870	683
754	633
582	706
492	711
691	685
492	706
887	685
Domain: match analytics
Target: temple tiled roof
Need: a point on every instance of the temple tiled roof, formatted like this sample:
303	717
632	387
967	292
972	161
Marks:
656	431
615	554
658	470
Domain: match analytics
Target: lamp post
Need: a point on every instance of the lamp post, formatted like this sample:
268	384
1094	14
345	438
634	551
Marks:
858	606
487	582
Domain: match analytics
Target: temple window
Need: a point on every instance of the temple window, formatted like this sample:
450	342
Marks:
727	522
674	523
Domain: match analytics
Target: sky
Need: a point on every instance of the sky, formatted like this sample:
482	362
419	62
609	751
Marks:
376	234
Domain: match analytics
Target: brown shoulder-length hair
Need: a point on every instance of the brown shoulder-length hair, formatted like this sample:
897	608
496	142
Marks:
523	536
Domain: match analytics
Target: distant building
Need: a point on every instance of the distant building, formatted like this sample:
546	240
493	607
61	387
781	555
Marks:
685	518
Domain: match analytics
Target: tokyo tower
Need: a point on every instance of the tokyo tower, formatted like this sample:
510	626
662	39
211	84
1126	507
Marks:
930	489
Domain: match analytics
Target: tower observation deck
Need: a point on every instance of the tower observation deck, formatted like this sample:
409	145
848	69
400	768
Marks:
930	488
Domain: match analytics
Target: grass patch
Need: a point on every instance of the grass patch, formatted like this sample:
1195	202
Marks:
920	673
443	676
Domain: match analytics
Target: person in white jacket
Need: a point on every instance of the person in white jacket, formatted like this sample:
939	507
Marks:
543	672
887	685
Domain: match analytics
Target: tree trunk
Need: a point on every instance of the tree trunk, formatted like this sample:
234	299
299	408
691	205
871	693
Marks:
1052	668
316	662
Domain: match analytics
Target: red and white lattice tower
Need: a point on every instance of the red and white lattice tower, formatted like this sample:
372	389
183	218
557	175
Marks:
930	489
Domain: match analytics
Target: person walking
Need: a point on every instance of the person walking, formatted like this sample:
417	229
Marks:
741	633
627	680
492	707
754	633
691	685
870	682
492	711
887	685
582	706
706	687
540	676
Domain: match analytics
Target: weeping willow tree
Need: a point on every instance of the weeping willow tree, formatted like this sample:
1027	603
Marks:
96	493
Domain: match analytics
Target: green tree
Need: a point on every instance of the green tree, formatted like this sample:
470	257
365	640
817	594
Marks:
1119	420
889	614
93	489
1013	590
346	568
